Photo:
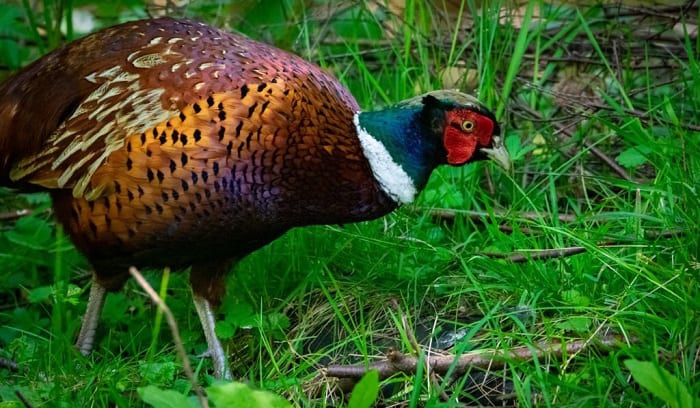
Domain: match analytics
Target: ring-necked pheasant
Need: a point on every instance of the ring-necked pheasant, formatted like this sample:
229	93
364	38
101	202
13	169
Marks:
171	143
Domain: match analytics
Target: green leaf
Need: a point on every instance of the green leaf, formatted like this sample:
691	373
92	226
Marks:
40	294
276	320
661	383
157	372
275	323
72	295
512	143
31	232
515	148
578	324
115	308
224	330
444	254
158	398
575	298
239	313
235	394
633	157
366	391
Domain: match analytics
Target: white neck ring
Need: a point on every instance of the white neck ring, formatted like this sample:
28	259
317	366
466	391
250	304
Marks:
392	178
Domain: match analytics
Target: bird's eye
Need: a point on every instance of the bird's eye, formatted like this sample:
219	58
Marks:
467	125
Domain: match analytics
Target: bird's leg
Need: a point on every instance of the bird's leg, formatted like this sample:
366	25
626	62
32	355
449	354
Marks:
86	338
216	352
208	280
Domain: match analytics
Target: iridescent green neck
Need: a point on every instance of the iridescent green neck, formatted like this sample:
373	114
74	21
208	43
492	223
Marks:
401	155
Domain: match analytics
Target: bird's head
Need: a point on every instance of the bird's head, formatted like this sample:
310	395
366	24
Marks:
405	142
468	131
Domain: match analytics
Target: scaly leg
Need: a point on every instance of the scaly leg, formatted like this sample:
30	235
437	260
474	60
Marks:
86	338
216	352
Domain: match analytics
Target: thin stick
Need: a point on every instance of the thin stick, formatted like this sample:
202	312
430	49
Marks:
13	215
539	254
23	399
397	362
176	333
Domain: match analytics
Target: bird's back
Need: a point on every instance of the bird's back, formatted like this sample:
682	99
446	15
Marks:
171	139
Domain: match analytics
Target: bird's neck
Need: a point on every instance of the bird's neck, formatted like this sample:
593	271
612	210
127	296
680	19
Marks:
399	154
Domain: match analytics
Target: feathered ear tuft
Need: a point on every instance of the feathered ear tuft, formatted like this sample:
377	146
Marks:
430	101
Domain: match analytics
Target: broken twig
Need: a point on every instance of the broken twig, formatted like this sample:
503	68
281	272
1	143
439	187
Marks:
397	362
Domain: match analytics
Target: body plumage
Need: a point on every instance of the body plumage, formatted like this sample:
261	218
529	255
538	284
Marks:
171	143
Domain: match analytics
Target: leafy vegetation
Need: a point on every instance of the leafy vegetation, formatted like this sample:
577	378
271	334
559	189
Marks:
599	109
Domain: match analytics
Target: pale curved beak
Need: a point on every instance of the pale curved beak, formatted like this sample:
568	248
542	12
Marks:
498	153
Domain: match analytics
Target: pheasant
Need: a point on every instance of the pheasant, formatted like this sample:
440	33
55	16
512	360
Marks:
167	142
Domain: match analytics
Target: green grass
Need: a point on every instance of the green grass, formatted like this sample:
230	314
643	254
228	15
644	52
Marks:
338	294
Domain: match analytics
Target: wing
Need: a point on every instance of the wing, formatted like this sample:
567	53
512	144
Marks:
63	116
66	113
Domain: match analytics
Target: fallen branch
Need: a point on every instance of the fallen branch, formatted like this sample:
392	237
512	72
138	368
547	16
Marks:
175	332
397	362
408	329
539	254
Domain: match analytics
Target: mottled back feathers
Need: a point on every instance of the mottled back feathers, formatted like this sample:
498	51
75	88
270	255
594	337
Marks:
147	72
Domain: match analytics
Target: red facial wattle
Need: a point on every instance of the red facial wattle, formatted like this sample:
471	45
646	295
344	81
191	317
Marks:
460	148
461	144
